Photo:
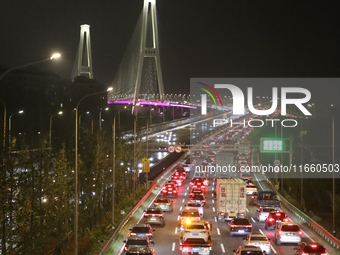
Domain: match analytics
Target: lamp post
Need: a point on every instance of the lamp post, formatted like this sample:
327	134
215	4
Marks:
100	119
54	56
82	115
113	167
51	117
76	171
151	110
10	129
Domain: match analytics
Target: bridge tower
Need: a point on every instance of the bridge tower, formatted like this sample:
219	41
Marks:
140	71
83	62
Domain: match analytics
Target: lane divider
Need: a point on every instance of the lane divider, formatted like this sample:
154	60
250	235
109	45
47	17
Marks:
222	248
218	231
252	219
176	230
173	246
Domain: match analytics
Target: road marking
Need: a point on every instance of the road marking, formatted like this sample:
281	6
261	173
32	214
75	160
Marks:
215	219
213	201
178	217
261	231
218	231
213	184
308	236
187	188
213	209
247	210
222	247
121	250
271	246
183	200
180	208
185	194
173	246
176	230
252	219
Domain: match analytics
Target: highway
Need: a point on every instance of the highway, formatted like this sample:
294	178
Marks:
166	239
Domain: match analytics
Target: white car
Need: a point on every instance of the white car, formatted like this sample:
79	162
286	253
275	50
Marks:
258	240
195	229
250	189
195	205
263	212
288	232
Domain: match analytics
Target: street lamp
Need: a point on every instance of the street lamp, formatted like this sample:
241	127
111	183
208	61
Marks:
113	168
100	118
54	56
82	115
51	117
76	170
10	129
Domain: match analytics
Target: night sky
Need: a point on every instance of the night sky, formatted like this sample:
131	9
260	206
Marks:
197	38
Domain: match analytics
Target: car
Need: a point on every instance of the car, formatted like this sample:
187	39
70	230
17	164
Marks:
198	199
248	250
182	171
135	250
288	232
195	205
195	229
154	215
250	189
188	214
178	178
240	226
196	191
142	229
274	218
174	182
198	184
253	199
164	203
259	240
186	167
263	212
310	249
137	241
169	190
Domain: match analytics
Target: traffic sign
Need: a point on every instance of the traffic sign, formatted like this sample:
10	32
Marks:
146	165
178	149
171	149
277	162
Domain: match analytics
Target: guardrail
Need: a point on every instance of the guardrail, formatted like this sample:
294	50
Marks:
328	237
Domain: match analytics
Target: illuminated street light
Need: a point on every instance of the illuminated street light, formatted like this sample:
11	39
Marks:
59	113
10	130
54	56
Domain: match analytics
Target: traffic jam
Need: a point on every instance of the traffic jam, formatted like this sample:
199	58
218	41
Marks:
217	212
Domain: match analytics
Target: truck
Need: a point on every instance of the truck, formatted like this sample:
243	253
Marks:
268	198
230	199
224	162
195	237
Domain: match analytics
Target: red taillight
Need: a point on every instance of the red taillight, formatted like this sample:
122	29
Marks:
185	249
148	234
194	186
313	246
168	204
278	214
271	219
125	248
285	220
280	232
170	189
324	253
175	191
249	226
156	203
202	187
300	233
146	214
132	234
